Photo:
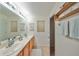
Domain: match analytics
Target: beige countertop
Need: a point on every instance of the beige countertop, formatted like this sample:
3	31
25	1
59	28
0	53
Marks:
16	47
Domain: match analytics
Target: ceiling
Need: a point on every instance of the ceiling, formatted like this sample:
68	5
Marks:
37	9
7	13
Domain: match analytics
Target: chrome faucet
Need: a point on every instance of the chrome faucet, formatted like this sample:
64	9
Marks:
10	41
20	38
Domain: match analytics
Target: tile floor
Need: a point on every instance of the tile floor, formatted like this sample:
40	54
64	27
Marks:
43	51
36	52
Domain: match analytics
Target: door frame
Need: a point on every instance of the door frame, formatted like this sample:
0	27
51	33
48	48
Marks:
52	36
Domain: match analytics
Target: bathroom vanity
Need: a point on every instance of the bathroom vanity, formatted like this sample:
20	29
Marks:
27	48
13	24
19	48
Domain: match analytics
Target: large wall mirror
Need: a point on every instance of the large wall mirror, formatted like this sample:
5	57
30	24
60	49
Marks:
22	26
10	24
3	29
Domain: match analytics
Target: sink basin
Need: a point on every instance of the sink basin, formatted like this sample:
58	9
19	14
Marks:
5	51
14	46
10	50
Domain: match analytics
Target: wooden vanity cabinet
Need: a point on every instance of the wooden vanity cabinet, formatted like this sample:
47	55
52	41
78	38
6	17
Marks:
26	51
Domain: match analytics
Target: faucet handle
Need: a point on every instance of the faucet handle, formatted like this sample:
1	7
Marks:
14	37
8	38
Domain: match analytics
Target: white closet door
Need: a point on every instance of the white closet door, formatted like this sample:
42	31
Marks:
40	26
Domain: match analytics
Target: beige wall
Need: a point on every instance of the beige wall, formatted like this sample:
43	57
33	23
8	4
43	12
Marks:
65	46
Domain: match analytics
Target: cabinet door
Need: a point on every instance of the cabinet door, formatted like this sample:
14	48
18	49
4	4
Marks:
33	42
26	50
31	46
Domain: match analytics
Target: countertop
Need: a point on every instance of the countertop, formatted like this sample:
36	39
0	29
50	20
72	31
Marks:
16	47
